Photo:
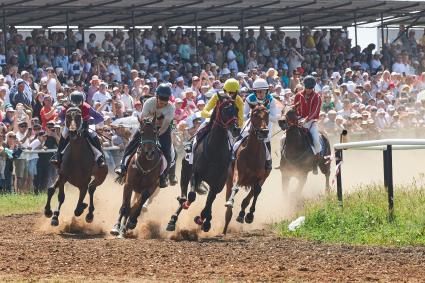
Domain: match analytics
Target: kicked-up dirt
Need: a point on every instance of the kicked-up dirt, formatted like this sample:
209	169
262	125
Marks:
27	253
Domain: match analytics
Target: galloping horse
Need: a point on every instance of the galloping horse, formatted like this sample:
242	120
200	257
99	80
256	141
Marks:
77	167
142	178
211	161
250	166
297	158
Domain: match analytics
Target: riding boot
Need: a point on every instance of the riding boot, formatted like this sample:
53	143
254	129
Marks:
172	174
56	159
163	180
129	151
96	143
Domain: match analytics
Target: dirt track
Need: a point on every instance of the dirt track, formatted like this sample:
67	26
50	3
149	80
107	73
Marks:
243	256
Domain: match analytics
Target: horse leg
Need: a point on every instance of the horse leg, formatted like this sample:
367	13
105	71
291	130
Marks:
81	206
89	216
249	218
244	205
61	199
194	185
205	218
50	192
132	221
285	182
124	210
229	209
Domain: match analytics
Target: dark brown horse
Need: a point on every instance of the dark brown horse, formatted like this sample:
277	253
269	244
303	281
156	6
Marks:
250	167
297	158
211	160
77	167
142	178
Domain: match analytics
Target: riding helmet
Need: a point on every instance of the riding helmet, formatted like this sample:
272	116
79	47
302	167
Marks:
163	91
309	82
260	84
77	98
231	85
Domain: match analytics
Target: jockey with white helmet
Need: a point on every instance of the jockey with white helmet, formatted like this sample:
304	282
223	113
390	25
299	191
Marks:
261	95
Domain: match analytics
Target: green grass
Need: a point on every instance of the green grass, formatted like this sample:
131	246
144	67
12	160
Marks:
20	204
364	218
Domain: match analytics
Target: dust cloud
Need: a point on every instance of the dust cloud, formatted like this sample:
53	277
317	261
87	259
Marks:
359	167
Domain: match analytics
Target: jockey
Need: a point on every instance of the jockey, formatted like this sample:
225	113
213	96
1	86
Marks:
261	95
160	106
309	104
77	100
231	88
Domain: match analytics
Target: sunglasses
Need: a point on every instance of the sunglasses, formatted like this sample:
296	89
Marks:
23	126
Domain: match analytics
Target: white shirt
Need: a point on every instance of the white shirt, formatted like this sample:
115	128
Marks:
400	68
150	109
102	98
51	87
128	102
114	69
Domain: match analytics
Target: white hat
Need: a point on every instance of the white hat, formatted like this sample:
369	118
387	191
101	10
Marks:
351	87
335	75
178	100
179	79
200	102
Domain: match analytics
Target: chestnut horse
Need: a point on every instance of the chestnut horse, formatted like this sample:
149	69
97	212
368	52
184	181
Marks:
77	167
142	178
249	169
211	161
297	158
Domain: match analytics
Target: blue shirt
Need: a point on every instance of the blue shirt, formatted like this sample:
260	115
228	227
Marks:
253	100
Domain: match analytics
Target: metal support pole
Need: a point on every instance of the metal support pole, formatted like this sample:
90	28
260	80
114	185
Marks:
83	38
338	156
301	33
390	183
196	38
133	25
385	158
243	40
382	31
67	34
5	32
221	34
355	32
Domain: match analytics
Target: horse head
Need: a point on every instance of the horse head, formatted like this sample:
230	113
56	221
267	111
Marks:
289	117
149	134
227	115
73	121
260	121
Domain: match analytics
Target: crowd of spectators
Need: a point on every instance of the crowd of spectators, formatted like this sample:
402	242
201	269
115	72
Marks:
366	92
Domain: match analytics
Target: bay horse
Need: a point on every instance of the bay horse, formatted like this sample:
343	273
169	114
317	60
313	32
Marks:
297	157
211	161
142	178
249	169
78	167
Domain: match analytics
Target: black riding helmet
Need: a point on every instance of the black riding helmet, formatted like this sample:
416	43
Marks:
163	91
309	82
77	98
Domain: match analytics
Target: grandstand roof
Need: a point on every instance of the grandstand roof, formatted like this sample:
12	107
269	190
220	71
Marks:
209	13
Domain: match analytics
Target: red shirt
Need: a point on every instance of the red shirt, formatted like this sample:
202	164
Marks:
43	117
308	107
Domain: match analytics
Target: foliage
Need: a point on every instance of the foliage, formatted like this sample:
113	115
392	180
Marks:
19	204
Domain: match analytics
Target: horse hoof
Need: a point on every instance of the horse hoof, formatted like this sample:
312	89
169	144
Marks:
191	197
131	225
206	226
249	218
198	220
186	205
121	236
89	218
55	221
48	213
171	227
115	230
229	204
80	209
239	219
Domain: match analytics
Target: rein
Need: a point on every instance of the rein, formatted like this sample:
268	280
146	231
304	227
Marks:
218	119
138	165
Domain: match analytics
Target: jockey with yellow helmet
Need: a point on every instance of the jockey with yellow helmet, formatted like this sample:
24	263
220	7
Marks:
231	89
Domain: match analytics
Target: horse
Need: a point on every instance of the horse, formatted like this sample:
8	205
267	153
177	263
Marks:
249	169
211	160
297	157
142	178
78	167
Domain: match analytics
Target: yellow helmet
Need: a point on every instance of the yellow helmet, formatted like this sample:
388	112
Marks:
231	85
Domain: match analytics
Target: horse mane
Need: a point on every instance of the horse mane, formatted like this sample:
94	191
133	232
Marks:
73	108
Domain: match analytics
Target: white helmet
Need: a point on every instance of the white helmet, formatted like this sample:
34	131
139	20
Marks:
260	84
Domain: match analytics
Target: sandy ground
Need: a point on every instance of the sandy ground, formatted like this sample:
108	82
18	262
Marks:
31	249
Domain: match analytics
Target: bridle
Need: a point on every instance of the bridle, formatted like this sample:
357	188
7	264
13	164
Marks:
257	131
148	141
73	113
219	119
